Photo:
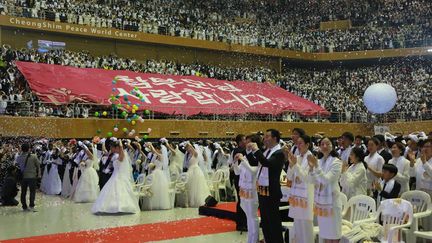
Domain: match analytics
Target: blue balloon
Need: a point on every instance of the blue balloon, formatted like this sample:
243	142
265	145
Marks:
380	98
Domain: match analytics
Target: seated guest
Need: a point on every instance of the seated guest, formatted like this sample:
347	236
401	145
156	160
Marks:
388	187
10	189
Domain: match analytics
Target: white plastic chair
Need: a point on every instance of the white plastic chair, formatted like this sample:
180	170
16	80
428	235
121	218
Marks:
360	207
224	183
139	182
422	208
180	188
215	183
145	192
173	179
392	217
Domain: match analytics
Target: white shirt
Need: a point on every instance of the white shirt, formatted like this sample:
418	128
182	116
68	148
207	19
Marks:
403	175
376	162
345	154
423	175
263	178
353	180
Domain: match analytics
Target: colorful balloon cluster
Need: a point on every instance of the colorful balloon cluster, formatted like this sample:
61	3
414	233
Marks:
128	111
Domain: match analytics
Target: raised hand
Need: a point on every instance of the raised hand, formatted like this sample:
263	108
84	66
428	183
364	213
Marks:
423	158
292	159
344	167
238	157
312	161
252	146
412	158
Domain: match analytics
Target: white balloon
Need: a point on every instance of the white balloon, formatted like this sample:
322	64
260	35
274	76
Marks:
380	98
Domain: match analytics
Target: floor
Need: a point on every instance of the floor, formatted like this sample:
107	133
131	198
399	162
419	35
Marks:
57	215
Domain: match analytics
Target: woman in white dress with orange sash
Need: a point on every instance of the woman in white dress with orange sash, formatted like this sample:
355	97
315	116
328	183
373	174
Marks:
325	174
301	196
248	190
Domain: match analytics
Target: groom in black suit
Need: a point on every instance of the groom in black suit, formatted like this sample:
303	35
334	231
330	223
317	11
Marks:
268	183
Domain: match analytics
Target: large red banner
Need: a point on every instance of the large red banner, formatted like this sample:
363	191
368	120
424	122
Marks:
170	94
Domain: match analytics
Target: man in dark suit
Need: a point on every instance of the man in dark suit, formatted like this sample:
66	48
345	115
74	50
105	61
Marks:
241	222
381	148
268	183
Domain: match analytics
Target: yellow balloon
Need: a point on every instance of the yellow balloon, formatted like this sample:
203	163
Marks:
104	113
133	123
133	111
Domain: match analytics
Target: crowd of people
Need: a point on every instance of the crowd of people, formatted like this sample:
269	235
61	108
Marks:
339	89
292	24
126	176
104	171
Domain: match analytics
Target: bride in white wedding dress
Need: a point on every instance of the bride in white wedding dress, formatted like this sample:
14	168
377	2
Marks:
160	185
117	196
87	189
197	187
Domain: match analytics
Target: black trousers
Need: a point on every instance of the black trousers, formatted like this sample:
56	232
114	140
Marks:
28	183
71	171
103	179
270	219
241	221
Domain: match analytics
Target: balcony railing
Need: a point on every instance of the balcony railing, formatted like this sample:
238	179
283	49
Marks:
88	110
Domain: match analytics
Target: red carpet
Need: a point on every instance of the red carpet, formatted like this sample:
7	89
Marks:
140	233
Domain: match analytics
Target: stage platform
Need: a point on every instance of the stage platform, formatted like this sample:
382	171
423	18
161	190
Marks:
224	210
227	210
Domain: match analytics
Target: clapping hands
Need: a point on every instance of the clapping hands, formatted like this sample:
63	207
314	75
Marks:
252	147
312	161
238	157
292	159
412	158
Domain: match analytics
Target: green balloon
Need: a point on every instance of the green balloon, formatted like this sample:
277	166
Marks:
109	134
96	113
145	136
98	131
147	112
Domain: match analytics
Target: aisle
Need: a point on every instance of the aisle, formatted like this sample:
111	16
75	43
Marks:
61	220
141	233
